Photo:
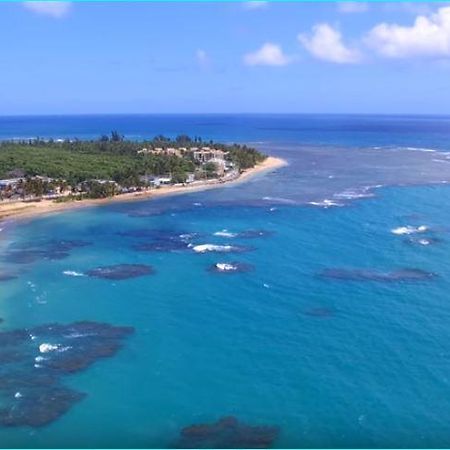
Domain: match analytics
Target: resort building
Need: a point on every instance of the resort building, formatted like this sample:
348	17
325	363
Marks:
206	154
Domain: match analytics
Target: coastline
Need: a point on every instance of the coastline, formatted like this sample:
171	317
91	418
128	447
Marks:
24	210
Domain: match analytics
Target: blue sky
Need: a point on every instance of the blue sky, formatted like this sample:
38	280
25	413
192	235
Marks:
200	57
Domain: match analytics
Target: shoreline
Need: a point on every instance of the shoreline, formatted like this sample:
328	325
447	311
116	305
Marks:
24	210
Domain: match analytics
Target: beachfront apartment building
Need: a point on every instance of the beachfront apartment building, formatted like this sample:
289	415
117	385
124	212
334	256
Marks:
206	154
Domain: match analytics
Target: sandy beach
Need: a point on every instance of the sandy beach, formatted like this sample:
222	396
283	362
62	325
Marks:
25	210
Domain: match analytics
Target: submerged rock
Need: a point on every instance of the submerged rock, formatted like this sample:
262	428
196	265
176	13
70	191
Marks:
407	274
34	361
227	432
121	271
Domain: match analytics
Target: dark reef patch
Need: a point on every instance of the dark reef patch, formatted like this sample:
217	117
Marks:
121	271
158	234
33	362
161	246
158	240
31	256
227	432
30	252
7	276
422	241
320	312
39	407
407	274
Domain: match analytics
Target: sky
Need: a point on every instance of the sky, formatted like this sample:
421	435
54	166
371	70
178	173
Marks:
224	57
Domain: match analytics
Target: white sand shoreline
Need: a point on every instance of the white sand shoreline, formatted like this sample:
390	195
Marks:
27	210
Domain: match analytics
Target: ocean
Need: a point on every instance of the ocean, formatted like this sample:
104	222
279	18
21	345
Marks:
336	332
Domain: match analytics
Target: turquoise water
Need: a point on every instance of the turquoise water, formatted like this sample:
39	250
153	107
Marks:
333	363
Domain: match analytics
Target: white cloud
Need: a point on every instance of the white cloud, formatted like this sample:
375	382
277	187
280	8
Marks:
49	8
256	4
268	55
325	43
352	7
429	36
202	58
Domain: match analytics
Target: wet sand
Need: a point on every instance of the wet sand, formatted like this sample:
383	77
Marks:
23	210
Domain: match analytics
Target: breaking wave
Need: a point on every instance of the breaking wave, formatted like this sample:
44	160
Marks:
73	273
409	230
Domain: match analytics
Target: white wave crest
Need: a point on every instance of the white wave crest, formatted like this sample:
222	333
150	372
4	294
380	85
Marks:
225	267
73	273
279	200
204	248
45	348
420	149
225	233
409	230
326	203
351	194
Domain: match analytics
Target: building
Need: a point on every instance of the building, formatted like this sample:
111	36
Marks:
156	181
9	184
206	154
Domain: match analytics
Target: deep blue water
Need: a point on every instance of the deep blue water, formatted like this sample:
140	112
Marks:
331	362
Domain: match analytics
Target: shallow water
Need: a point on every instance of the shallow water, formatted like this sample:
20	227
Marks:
331	362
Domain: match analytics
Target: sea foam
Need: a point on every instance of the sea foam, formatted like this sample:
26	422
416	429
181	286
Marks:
409	230
73	273
46	348
204	248
225	233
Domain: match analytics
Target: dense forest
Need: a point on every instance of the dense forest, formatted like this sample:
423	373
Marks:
111	158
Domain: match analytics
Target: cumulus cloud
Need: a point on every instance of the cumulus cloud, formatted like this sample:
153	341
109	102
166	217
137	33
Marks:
49	8
268	55
352	7
256	4
326	43
429	36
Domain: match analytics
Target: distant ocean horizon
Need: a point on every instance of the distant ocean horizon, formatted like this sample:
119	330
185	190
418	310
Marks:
336	332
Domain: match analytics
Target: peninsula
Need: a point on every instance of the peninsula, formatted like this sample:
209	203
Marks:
42	176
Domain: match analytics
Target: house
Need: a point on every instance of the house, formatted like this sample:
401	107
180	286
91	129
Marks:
11	183
154	180
190	178
173	151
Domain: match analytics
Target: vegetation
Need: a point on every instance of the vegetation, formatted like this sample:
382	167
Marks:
113	158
